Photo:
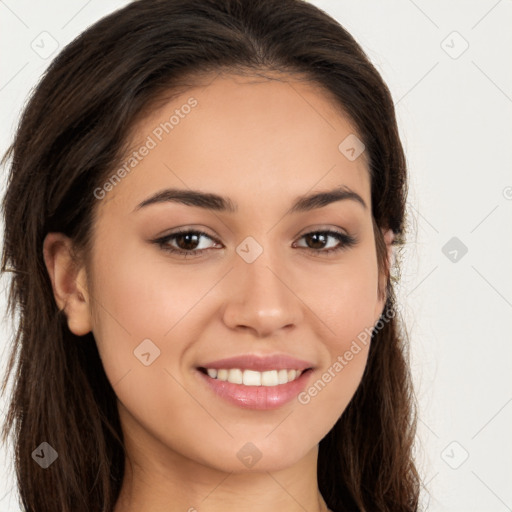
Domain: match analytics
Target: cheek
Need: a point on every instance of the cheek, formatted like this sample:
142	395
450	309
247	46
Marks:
135	299
347	313
344	296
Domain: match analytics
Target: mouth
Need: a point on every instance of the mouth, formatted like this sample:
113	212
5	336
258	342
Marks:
251	389
246	377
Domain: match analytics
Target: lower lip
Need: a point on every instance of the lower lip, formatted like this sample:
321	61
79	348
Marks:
257	397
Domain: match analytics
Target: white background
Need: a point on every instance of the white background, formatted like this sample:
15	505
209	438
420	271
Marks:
454	111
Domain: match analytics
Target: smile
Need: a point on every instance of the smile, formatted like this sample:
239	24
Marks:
250	389
252	377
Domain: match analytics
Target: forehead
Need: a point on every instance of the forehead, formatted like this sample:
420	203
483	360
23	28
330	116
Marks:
236	135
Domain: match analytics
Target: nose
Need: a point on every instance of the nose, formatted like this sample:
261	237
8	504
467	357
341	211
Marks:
260	298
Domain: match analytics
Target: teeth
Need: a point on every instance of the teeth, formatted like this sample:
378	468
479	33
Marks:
235	376
254	378
282	376
269	378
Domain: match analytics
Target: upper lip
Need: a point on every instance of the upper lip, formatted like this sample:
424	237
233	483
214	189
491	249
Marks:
260	363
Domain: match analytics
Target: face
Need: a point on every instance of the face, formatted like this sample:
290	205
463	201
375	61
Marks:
176	285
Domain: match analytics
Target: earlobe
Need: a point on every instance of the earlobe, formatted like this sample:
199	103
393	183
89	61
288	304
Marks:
68	282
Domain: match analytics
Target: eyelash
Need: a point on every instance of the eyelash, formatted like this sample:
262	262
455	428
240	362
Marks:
347	241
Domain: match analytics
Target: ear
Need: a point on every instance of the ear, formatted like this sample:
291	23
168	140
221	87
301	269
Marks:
68	282
388	237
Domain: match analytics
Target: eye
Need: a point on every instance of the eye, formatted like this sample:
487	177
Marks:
320	238
188	242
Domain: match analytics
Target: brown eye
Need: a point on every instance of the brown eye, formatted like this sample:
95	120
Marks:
185	242
317	240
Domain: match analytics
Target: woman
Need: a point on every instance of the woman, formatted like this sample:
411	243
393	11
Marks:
203	204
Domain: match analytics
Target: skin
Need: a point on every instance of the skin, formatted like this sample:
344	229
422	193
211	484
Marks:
262	143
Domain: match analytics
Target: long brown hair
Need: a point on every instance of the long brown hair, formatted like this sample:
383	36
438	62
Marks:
70	138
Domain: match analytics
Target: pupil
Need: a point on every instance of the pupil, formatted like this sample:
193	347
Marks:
187	236
317	236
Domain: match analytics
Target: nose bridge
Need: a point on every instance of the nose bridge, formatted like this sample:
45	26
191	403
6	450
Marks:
260	297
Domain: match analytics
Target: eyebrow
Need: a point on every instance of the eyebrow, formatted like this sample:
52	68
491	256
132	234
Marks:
214	202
